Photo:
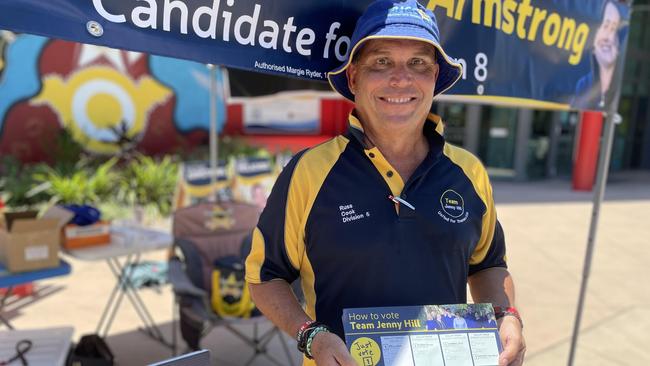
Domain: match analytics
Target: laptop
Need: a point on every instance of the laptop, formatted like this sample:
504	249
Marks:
198	358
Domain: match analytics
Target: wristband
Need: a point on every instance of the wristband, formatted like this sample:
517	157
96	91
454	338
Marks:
303	334
310	339
499	313
303	327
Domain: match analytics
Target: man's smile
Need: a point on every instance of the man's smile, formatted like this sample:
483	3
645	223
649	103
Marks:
606	47
401	100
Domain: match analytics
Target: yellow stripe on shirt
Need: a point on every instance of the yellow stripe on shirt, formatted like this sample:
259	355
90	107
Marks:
306	182
477	174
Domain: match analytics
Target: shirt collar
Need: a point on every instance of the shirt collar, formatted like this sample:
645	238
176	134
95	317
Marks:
433	131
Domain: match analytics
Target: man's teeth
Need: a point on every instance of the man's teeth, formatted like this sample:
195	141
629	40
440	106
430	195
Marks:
398	100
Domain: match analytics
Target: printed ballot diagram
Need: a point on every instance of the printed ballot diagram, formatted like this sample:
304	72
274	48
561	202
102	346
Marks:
431	335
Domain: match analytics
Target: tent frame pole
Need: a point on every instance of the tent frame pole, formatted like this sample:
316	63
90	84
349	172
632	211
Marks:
611	120
214	137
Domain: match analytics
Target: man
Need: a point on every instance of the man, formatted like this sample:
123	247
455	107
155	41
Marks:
258	195
388	214
434	318
459	322
592	89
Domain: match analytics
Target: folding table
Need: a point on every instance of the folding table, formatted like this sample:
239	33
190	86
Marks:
9	280
49	346
128	242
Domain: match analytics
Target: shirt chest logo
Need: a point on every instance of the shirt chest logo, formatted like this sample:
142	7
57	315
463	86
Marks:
452	207
349	214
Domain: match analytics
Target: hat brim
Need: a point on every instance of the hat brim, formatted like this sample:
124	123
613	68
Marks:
449	71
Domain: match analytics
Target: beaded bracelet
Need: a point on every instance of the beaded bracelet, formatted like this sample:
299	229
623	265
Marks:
303	327
310	339
303	334
499	313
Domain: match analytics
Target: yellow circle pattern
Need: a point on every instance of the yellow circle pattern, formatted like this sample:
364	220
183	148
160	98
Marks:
104	110
365	351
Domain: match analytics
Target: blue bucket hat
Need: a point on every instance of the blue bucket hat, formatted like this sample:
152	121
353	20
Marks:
397	19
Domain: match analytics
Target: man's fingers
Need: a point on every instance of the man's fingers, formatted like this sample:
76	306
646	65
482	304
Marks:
516	361
514	344
506	356
347	363
331	360
329	350
344	359
513	352
520	358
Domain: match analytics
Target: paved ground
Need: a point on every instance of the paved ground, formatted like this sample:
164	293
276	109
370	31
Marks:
546	226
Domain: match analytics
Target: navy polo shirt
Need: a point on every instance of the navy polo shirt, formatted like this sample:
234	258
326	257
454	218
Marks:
330	220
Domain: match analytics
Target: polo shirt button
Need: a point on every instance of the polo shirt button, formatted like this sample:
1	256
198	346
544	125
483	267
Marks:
389	173
372	155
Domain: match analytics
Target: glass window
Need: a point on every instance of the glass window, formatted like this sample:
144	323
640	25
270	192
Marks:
539	144
497	141
564	159
453	116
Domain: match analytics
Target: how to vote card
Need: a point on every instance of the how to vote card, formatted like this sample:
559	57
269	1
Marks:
431	335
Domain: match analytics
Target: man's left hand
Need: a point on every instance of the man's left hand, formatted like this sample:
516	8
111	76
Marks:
512	339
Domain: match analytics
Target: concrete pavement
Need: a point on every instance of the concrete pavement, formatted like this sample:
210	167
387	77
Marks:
547	243
546	227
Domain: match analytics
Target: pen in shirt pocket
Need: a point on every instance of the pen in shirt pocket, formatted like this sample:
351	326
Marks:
398	200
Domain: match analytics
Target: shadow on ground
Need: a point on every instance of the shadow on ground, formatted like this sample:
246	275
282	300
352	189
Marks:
14	304
136	348
620	187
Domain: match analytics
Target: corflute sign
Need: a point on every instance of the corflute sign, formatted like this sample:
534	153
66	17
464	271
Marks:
549	54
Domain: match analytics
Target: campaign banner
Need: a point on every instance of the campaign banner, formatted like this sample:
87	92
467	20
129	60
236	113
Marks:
546	54
292	112
198	182
254	179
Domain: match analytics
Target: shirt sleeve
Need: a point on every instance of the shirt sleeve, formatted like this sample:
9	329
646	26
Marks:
275	248
491	248
495	255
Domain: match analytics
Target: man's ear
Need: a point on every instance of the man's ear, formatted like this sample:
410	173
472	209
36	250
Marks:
351	73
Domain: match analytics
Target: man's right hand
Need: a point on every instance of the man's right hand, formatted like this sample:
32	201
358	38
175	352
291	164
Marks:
329	350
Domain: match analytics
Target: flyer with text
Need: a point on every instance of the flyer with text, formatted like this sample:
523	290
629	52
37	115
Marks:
430	335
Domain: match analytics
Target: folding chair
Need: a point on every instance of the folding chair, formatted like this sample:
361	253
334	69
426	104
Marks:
204	233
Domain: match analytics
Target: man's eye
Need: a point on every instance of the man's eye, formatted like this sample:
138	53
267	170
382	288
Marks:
382	61
417	61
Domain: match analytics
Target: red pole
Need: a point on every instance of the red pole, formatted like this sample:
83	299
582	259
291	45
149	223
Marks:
584	168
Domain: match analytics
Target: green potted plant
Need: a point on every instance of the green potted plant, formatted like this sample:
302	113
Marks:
17	185
147	182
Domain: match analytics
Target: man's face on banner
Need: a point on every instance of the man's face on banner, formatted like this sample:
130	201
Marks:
606	40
